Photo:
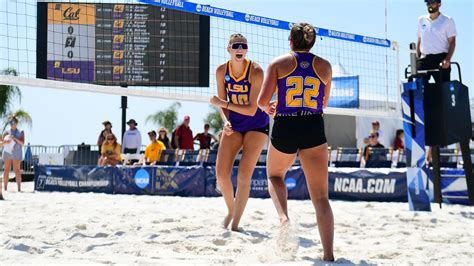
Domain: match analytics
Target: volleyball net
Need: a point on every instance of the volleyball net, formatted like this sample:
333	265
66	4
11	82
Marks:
170	49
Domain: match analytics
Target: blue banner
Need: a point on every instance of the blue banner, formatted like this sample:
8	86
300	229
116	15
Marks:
180	181
211	189
258	184
212	11
368	186
177	181
417	173
295	182
453	186
344	92
135	180
197	181
74	178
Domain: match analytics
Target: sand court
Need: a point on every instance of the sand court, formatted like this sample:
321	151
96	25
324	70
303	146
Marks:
40	227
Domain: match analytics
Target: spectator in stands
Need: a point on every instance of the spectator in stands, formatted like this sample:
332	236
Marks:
15	156
153	150
132	139
104	133
163	137
107	130
205	138
375	128
110	151
398	143
183	135
373	143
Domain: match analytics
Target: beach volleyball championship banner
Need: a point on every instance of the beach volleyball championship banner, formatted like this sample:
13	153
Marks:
74	178
198	181
213	11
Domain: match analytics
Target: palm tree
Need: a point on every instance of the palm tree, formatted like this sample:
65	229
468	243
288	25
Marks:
167	118
214	119
21	115
8	93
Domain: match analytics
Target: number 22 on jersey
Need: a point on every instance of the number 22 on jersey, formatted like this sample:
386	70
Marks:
302	92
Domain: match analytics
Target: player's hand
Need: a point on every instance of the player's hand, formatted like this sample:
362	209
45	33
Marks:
228	128
446	64
216	101
271	108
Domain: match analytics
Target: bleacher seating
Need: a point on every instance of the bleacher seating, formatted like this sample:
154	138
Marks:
449	157
210	157
191	157
342	157
168	157
378	158
347	157
401	159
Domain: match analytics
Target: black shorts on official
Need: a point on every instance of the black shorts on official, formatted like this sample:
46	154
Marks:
293	133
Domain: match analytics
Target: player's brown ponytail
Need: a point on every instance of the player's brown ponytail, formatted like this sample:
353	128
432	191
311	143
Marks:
302	36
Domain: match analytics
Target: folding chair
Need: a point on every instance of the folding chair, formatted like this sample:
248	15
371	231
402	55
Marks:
347	157
378	158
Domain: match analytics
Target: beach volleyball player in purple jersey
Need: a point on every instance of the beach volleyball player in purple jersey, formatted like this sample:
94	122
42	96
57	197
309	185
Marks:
246	127
302	82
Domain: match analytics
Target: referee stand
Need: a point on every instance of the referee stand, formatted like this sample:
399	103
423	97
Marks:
447	120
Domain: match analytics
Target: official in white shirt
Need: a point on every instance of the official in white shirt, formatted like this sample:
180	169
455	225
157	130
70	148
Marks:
436	41
132	139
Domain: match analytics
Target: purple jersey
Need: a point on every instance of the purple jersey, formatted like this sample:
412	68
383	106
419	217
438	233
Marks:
300	91
238	92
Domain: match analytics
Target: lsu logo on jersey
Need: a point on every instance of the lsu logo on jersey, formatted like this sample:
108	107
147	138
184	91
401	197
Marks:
237	88
238	93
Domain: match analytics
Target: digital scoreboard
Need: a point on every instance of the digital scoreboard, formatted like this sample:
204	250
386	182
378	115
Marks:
122	44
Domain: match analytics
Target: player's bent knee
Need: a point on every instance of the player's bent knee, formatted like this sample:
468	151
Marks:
275	178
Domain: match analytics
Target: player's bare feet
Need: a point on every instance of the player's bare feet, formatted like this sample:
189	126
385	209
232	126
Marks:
328	258
284	223
237	229
227	221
